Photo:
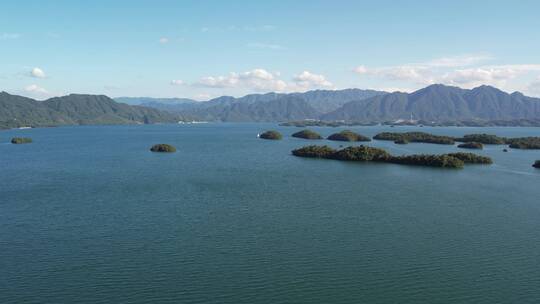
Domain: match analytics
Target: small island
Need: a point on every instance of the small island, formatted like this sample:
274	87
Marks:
486	139
428	160
415	137
307	134
163	148
348	135
371	154
471	145
471	158
21	140
361	153
524	143
272	135
514	143
536	164
314	151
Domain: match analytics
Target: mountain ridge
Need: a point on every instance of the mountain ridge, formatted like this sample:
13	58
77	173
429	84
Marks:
74	109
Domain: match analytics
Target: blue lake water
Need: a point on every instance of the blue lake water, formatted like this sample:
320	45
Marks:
90	215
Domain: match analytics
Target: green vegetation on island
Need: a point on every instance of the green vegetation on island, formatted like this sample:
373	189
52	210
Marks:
515	143
314	151
307	134
524	142
163	148
365	153
273	135
486	139
471	145
415	137
21	140
361	153
536	164
471	158
441	161
348	135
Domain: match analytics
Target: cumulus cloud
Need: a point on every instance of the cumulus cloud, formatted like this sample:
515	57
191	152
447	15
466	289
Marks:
309	80
163	40
35	91
465	71
534	87
34	88
177	82
257	79
37	73
263	80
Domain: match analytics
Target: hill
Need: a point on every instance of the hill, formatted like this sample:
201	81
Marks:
263	107
75	109
441	103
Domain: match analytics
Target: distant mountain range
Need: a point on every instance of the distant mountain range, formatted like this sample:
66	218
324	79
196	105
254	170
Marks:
435	103
75	109
261	107
441	103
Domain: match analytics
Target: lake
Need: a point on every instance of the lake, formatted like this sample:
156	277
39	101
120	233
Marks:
90	215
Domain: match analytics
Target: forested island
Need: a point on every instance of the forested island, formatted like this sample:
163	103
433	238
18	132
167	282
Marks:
515	143
524	142
471	145
486	139
365	153
307	134
21	140
272	135
415	137
470	141
166	148
348	135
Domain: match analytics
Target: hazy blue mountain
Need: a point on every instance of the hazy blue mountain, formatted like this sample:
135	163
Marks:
441	103
266	107
136	101
74	109
280	109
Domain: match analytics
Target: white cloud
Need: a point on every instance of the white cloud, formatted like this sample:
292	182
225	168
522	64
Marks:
177	82
257	45
533	88
37	73
464	71
163	40
263	80
36	91
493	75
34	88
257	79
309	80
9	36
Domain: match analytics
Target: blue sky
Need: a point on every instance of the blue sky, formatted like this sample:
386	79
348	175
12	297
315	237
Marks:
204	49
